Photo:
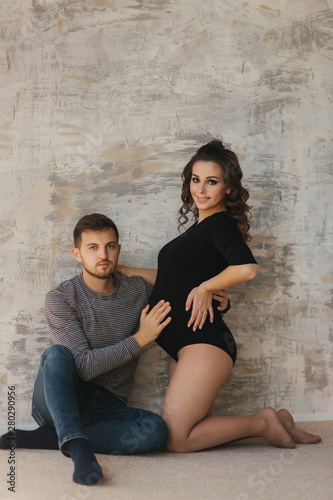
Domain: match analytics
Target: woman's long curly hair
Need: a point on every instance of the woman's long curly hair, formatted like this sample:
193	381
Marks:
235	201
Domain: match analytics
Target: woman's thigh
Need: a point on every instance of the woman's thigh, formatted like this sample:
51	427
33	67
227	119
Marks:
200	372
172	367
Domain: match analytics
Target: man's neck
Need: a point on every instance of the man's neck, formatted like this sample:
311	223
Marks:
103	286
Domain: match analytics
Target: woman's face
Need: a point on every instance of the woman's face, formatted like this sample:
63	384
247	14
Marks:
207	188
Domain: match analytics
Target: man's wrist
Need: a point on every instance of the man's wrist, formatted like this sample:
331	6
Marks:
138	337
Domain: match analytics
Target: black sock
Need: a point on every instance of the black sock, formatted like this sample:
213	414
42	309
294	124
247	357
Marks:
42	438
86	468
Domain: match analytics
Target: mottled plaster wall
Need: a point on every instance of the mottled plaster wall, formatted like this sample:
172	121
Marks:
103	102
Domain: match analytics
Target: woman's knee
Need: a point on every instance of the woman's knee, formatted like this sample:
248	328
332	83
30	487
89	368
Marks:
178	432
176	444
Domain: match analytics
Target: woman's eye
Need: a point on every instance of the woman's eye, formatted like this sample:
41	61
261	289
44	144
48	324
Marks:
195	179
212	183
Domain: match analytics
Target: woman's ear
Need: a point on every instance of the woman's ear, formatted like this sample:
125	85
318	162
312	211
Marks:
228	190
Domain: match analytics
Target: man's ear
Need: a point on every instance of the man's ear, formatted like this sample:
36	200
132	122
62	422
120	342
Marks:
119	248
76	254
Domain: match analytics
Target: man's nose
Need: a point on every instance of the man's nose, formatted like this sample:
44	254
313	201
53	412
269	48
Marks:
102	253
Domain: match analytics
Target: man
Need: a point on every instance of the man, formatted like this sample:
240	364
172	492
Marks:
99	324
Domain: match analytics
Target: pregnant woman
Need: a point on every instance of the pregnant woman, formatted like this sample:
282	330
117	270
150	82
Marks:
211	255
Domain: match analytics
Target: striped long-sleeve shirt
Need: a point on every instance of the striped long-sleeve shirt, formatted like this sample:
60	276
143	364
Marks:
98	329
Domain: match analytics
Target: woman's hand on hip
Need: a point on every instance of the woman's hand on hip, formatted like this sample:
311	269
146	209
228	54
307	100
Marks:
201	302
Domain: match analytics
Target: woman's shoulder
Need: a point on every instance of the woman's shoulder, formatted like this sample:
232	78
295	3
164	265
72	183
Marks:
222	220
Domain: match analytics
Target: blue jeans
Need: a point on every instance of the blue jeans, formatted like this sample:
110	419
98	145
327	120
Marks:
80	409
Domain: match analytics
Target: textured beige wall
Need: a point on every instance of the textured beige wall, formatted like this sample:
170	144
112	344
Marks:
103	102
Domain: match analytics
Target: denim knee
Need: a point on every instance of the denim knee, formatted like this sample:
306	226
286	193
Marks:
156	431
162	432
56	352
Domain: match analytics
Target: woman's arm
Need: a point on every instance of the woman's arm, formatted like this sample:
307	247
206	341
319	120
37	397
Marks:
200	298
231	276
147	274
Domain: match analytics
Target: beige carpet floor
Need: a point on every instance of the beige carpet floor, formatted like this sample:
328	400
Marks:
244	470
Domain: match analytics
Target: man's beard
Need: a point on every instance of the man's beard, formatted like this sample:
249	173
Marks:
101	277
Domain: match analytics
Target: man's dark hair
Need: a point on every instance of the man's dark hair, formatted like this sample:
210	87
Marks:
93	222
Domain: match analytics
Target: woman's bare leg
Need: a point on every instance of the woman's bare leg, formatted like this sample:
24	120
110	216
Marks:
196	379
172	367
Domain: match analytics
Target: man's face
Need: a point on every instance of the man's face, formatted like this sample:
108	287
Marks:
98	253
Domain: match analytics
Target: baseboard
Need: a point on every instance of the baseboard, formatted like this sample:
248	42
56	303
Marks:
312	417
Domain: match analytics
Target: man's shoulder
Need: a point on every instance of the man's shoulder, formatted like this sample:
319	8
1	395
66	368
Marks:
67	287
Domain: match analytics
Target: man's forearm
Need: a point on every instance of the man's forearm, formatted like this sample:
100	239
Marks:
148	274
92	363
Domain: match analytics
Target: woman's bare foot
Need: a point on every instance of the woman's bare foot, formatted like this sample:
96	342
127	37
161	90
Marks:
298	435
273	431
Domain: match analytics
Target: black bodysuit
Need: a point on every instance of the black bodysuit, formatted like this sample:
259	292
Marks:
203	251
